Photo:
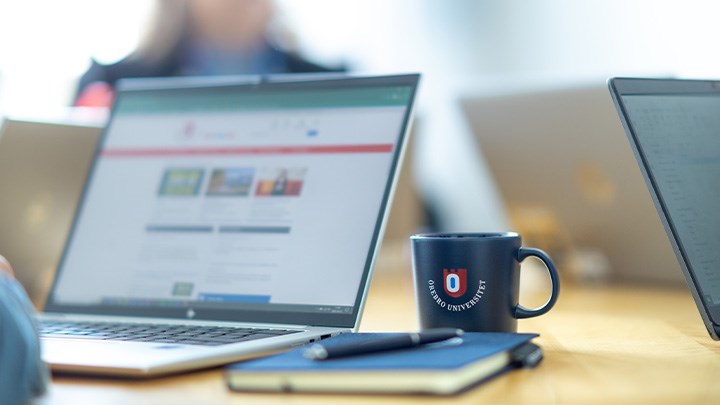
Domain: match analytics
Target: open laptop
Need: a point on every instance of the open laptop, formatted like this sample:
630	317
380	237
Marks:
43	166
224	219
674	127
560	152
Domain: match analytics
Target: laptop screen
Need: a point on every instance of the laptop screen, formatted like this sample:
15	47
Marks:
678	134
258	202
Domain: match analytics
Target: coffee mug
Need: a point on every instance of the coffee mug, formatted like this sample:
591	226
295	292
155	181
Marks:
471	281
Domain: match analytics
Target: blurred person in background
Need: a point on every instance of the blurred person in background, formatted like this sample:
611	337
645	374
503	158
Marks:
200	37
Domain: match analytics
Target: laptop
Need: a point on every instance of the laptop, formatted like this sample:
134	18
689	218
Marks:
673	127
43	165
560	157
224	219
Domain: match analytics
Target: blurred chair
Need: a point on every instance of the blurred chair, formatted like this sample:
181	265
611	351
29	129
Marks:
43	166
570	181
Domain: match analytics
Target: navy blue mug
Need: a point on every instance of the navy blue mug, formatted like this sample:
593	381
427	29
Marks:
471	281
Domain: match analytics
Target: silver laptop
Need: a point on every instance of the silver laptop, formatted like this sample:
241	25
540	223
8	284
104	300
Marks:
43	166
673	128
561	154
224	219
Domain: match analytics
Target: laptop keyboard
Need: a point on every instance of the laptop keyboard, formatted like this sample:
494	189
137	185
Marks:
135	332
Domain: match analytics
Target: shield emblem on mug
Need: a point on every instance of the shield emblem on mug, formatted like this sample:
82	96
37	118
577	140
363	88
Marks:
455	282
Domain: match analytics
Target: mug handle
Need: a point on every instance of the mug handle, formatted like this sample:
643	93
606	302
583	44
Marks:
522	312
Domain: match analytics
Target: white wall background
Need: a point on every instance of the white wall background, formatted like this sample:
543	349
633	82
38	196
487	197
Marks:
459	45
45	45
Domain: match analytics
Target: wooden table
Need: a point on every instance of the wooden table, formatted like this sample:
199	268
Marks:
603	345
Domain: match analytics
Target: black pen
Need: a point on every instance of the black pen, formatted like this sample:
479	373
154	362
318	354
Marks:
319	351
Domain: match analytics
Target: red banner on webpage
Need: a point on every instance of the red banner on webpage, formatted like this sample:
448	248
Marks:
251	150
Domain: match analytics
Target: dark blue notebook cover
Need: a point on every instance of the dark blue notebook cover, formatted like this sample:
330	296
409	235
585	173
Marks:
448	355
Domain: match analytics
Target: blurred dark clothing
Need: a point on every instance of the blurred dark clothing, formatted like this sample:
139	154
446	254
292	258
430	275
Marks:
188	59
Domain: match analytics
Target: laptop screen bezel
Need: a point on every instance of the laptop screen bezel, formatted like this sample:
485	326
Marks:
622	87
251	83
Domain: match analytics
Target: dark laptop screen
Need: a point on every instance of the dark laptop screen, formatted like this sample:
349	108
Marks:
680	139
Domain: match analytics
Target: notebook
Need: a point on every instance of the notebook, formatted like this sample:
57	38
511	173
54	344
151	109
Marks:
442	368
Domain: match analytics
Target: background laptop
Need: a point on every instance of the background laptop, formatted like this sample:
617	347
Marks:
43	166
674	127
225	218
561	161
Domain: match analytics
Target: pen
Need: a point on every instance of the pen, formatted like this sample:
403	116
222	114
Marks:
320	351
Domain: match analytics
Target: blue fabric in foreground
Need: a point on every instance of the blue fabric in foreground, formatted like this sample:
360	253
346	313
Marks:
23	375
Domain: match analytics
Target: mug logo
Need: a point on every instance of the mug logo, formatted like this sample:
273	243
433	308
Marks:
455	282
